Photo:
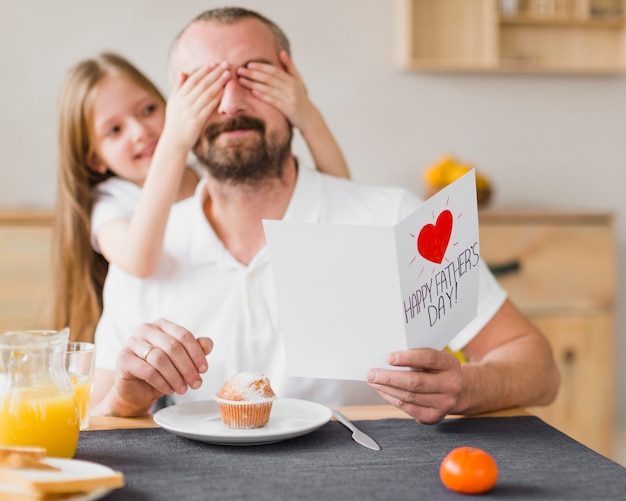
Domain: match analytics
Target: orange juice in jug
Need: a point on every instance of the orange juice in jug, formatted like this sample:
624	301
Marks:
38	406
44	417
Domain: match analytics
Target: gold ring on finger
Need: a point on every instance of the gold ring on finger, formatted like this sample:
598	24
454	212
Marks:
146	352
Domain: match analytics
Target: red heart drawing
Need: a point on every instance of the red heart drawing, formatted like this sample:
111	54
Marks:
432	240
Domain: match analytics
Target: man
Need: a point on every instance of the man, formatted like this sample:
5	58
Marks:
215	280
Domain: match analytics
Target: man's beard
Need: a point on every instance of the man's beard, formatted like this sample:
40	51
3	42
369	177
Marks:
249	161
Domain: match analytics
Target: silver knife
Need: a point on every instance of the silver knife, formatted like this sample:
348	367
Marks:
358	436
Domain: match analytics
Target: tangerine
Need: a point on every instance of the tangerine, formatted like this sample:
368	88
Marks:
468	470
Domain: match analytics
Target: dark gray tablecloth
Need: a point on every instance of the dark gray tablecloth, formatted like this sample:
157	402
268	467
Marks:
535	460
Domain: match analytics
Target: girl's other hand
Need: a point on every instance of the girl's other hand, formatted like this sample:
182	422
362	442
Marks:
282	88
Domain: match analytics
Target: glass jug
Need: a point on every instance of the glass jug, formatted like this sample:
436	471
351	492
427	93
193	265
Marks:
38	405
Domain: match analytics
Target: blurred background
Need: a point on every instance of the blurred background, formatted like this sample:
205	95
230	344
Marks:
545	142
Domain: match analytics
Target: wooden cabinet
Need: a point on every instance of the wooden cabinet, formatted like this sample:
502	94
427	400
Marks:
25	269
537	36
559	269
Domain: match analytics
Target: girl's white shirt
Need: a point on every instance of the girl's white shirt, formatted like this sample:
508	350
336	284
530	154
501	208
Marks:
117	198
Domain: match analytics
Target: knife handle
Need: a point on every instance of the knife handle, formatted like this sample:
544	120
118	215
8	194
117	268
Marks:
342	419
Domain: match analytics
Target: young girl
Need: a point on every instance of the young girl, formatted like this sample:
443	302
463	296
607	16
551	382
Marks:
122	165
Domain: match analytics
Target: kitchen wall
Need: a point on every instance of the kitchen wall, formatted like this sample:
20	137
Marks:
546	142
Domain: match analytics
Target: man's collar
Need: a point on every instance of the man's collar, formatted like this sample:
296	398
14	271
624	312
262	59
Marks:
304	206
305	203
206	247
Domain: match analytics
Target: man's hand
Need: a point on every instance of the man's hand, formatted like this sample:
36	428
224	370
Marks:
510	364
427	392
160	358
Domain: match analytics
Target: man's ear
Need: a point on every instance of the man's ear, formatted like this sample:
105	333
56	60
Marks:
281	57
96	165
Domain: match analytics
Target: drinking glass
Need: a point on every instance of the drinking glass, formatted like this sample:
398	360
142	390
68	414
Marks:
80	362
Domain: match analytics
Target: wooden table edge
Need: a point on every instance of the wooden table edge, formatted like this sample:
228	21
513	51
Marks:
356	413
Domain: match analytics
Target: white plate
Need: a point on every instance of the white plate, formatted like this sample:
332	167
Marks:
71	469
201	421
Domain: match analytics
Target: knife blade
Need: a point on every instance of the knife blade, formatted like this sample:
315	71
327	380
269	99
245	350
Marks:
357	435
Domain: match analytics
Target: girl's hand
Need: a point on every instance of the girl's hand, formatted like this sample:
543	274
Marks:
194	98
281	88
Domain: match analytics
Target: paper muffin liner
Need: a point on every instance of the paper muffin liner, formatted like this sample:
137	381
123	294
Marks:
244	414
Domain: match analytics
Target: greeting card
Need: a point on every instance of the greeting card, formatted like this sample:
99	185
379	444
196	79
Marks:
348	295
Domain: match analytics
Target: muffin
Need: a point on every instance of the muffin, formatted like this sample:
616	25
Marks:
245	401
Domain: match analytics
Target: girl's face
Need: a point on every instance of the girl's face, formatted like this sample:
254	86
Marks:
127	123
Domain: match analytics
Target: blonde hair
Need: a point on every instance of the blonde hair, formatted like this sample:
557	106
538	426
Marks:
78	271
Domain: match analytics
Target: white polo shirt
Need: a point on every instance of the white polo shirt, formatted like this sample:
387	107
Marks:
200	286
